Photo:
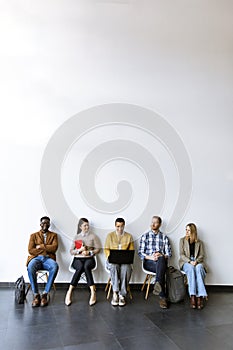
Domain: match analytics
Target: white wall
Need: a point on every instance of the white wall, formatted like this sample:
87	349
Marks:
59	58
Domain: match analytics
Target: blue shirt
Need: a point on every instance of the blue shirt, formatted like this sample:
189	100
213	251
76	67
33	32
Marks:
151	242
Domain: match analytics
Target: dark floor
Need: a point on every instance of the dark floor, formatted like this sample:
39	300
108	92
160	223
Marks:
140	324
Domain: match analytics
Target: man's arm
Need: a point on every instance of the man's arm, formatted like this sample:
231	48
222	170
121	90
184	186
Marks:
53	244
142	247
168	251
32	247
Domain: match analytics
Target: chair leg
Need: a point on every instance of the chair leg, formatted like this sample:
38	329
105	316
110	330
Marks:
148	286
109	290
144	282
28	288
107	285
129	291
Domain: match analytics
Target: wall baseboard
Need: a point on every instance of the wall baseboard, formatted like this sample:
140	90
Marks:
133	286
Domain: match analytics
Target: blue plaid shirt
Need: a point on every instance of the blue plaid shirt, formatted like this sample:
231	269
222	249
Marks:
151	242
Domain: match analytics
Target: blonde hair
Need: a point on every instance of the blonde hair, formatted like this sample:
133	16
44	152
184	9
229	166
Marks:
193	233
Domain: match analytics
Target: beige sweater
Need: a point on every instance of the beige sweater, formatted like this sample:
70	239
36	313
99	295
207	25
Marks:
90	241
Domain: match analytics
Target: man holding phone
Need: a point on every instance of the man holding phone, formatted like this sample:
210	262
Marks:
154	250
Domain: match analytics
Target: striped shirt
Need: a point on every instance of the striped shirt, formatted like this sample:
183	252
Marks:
151	242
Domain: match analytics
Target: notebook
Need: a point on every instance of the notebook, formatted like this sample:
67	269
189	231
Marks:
78	244
121	256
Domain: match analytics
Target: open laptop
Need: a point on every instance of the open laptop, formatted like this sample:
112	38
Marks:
121	256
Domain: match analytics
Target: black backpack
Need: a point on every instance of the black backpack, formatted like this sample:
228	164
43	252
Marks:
175	285
20	290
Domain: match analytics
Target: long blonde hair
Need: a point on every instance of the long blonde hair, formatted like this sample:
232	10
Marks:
193	233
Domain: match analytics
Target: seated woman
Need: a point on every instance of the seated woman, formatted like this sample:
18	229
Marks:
84	246
192	263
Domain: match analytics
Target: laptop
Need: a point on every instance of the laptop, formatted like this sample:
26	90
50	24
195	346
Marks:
121	256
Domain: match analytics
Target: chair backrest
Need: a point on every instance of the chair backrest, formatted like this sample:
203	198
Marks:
71	269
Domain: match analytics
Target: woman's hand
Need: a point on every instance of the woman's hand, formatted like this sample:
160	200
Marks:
82	249
85	253
194	263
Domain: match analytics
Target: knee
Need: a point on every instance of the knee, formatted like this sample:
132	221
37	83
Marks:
32	267
189	268
87	268
199	267
162	260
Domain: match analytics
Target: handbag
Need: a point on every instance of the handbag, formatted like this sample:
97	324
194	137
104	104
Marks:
20	295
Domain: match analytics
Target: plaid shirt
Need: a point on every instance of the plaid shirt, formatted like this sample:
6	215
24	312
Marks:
151	243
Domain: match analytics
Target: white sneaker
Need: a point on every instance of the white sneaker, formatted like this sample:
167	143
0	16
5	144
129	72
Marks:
115	299
121	300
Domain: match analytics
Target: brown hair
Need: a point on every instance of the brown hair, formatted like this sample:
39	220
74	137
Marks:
81	221
193	233
158	218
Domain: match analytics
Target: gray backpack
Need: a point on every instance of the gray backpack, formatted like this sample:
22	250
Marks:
175	285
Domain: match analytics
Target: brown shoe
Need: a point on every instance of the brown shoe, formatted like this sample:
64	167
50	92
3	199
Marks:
200	303
163	303
36	300
44	299
193	301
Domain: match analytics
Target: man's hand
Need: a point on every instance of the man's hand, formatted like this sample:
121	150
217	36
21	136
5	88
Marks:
38	246
156	255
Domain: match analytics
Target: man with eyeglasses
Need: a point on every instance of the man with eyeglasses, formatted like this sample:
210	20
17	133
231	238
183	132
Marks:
42	248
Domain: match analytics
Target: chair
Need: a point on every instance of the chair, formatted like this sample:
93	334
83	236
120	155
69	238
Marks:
149	276
42	276
83	276
109	287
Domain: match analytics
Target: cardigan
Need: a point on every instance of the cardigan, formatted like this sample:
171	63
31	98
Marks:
46	249
112	242
185	252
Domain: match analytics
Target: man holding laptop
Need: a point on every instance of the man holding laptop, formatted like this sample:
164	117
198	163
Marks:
119	251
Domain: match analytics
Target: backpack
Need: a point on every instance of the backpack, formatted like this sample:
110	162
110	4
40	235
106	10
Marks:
175	285
20	295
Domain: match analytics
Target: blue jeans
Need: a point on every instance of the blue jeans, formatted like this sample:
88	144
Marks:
158	267
41	262
196	279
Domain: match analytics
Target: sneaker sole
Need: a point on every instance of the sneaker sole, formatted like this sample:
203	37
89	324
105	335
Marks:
114	304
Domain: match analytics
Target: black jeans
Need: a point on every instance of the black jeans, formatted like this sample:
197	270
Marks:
83	265
158	267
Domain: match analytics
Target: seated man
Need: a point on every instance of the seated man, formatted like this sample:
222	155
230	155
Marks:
42	248
154	250
120	273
